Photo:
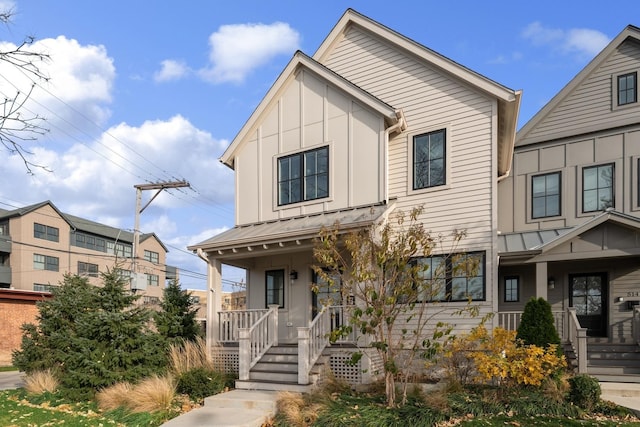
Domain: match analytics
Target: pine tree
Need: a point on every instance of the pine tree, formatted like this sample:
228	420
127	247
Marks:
537	325
176	319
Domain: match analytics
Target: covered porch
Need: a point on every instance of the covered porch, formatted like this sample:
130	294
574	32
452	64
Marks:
589	276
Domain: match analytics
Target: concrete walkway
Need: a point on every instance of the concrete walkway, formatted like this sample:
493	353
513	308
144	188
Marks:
623	394
11	379
236	408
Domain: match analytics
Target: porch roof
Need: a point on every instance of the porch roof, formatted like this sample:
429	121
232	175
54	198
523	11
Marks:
279	232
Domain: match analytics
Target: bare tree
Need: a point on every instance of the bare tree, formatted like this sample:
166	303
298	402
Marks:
16	127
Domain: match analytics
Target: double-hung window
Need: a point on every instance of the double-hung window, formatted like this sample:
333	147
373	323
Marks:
511	289
627	88
545	195
88	269
598	188
274	280
303	176
44	262
151	256
429	159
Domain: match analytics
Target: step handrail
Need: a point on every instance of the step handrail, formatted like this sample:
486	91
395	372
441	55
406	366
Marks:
312	341
256	340
635	326
578	339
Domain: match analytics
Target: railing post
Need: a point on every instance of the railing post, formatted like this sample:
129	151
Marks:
582	350
635	328
274	322
244	358
303	355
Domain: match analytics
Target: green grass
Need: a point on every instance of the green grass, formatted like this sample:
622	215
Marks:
8	368
18	409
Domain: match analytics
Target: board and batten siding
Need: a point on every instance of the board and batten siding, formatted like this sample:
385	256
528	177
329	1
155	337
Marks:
589	106
432	99
309	113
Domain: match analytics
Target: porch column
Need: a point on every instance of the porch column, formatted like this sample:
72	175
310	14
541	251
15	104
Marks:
214	302
541	280
303	355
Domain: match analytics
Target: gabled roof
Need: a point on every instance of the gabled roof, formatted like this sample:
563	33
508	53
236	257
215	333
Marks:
630	31
508	99
32	208
298	62
538	242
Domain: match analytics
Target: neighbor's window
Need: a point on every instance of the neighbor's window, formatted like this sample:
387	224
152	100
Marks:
41	231
455	277
85	268
43	262
597	188
627	88
152	280
511	289
151	256
429	155
274	281
303	176
545	195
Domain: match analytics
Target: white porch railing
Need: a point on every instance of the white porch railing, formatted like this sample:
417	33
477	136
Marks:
230	322
578	339
510	320
635	327
256	339
312	340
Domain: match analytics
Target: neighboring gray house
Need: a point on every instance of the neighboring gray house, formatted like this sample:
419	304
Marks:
570	211
371	123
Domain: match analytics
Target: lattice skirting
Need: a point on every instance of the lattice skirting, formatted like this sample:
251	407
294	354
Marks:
226	359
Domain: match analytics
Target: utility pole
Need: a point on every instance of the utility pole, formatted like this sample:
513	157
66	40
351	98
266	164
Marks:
160	186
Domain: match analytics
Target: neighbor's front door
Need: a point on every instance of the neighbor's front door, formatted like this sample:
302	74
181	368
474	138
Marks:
588	295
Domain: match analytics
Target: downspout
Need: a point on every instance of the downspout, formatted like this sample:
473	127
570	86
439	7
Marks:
399	126
518	94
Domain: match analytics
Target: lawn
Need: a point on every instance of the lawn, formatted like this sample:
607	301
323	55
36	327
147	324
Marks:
18	409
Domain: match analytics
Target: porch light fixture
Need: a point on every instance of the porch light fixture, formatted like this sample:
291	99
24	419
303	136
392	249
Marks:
551	282
293	275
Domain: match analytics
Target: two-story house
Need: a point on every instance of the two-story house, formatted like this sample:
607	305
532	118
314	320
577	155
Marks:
370	124
570	209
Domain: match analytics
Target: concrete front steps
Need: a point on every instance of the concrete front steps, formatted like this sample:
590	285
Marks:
613	361
277	370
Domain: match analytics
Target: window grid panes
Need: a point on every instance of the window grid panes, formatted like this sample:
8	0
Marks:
151	256
274	280
511	289
627	89
153	280
455	277
598	188
41	231
43	262
545	195
303	176
85	268
429	155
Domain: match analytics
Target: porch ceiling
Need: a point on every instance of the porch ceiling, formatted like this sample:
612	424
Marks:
250	240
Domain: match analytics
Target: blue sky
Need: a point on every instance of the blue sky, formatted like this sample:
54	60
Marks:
147	91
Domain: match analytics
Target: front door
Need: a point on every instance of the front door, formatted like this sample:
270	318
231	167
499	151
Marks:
588	295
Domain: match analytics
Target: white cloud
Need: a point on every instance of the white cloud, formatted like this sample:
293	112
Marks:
583	42
506	59
236	50
171	70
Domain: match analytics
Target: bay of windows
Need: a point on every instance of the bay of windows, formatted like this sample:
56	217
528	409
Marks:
303	176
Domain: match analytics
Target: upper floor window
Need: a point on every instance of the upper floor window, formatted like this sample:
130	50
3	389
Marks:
4	229
545	195
598	188
120	249
85	268
153	280
303	176
429	155
456	277
90	242
627	88
41	231
43	262
151	256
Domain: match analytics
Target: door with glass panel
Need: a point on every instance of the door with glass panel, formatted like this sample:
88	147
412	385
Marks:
588	295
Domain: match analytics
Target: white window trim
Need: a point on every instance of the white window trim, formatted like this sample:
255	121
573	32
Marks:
274	181
614	91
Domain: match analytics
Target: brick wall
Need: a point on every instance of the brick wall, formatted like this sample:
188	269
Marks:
15	310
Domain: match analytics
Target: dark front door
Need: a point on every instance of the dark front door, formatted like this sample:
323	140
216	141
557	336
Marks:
588	295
